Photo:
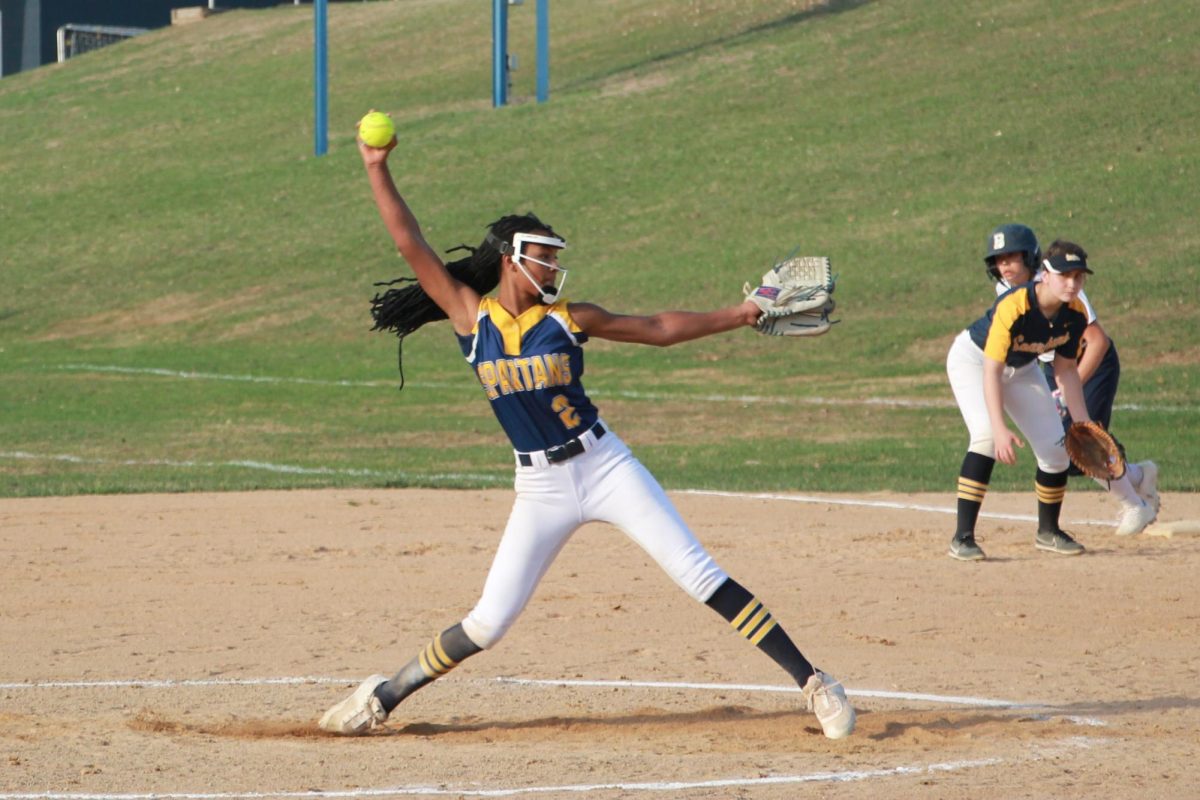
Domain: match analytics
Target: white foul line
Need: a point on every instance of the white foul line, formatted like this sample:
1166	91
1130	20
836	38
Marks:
266	466
749	687
169	683
578	788
746	399
505	480
832	501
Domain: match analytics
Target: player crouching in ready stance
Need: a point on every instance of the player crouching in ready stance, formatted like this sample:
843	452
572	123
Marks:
1012	259
993	369
525	346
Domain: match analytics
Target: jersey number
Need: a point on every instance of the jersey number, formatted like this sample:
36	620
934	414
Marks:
566	411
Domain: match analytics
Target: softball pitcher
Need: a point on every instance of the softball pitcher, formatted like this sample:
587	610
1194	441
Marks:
1098	364
526	349
993	369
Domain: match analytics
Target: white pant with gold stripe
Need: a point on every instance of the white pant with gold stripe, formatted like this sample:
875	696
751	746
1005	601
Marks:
604	484
1027	401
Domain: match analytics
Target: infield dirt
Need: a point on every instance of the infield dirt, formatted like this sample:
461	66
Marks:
225	592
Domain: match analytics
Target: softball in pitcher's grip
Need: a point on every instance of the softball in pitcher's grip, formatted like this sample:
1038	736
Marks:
1094	451
795	297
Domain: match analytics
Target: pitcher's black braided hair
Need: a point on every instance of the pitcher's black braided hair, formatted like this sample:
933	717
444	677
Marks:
404	309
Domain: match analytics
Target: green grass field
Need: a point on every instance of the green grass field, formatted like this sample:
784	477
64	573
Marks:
185	286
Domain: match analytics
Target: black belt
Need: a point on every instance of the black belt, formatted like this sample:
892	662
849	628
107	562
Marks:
564	451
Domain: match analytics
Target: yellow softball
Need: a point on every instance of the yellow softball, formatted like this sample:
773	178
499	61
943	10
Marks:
376	129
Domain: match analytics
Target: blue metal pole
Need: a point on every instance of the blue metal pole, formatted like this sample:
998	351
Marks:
321	75
543	50
499	52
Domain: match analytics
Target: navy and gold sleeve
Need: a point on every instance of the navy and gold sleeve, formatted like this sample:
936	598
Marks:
1008	311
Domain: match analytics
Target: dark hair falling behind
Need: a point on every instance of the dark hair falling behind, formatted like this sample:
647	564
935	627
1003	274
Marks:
403	310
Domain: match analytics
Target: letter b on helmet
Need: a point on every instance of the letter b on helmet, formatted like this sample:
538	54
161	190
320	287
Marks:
1012	238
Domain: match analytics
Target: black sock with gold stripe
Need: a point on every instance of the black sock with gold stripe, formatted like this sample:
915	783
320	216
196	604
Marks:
1051	489
751	619
439	657
973	480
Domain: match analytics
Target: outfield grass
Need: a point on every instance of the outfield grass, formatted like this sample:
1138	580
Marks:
167	233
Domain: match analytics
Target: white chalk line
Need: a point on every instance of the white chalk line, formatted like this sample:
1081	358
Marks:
937	699
266	466
750	687
652	786
170	683
577	788
747	399
840	501
454	477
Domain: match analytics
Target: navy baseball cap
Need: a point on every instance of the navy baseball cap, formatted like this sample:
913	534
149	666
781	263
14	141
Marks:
1066	262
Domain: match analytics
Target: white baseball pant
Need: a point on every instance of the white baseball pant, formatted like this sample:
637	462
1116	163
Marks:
603	484
1027	401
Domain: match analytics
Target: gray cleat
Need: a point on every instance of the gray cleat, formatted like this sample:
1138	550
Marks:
963	547
1057	542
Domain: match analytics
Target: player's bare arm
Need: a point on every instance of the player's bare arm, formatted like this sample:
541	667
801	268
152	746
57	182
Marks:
993	395
1067	375
1095	346
662	329
458	300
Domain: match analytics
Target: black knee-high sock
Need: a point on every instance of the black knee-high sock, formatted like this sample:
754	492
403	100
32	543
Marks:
1051	489
751	619
440	656
973	480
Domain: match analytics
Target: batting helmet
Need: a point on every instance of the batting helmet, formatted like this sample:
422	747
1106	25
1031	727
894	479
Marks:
1012	238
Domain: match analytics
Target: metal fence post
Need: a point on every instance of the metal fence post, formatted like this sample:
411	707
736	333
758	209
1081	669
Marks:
320	76
499	52
543	50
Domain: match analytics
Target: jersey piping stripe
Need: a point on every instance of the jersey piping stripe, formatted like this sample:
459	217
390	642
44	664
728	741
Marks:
479	314
566	323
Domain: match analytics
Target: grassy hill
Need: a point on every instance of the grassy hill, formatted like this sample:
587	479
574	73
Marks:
186	285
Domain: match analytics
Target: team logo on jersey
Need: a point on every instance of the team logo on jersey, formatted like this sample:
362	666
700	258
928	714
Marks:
526	374
1019	345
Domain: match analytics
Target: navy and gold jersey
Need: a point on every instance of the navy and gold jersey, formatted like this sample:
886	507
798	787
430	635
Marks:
1015	332
530	369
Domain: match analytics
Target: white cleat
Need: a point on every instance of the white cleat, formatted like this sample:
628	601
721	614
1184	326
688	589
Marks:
1134	519
826	698
359	713
1148	488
